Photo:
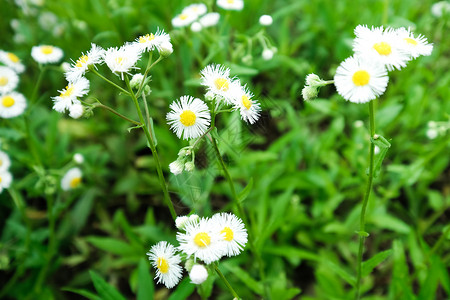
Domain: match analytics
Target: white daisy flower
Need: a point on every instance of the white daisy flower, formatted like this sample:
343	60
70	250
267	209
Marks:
176	167
165	49
243	102
414	46
12	105
196	27
198	274
232	232
69	96
11	60
201	241
8	80
122	60
183	20
81	66
72	179
217	80
380	45
360	80
46	54
231	4
5	162
5	180
210	19
166	263
197	9
151	41
265	20
189	117
78	158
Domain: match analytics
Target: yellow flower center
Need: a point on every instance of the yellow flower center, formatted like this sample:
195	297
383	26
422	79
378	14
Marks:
67	92
82	60
75	182
183	16
411	41
12	57
47	50
119	60
3	81
162	265
230	1
0	180
187	118
1	162
146	38
228	234
246	102
222	84
8	101
383	48
361	78
202	239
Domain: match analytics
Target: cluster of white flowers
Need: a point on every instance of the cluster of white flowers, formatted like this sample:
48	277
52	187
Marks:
197	16
364	76
12	103
202	241
5	176
120	60
436	129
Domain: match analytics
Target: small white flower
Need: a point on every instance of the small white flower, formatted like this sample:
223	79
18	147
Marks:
194	218
231	4
46	54
440	8
359	80
151	41
165	49
201	241
176	167
248	108
189	166
5	162
217	80
166	262
65	66
265	20
12	105
122	60
414	46
313	79
81	66
197	9
76	110
72	179
381	45
432	133
267	54
232	232
8	80
183	20
309	93
11	60
210	19
181	221
5	180
78	158
189	117
198	274
136	80
358	124
69	96
196	27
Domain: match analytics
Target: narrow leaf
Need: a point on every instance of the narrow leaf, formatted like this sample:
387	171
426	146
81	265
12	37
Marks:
244	193
106	291
371	263
146	288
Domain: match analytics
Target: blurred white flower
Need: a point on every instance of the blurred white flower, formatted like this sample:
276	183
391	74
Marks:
8	80
72	179
265	20
210	19
46	54
198	274
12	104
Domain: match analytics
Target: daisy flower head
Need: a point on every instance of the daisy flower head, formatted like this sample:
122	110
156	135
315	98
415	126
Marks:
249	109
360	80
201	241
382	45
46	54
414	46
151	41
198	274
81	66
232	232
11	60
210	19
196	9
5	180
122	60
217	80
164	259
69	96
8	80
5	162
12	104
189	117
231	4
72	179
183	20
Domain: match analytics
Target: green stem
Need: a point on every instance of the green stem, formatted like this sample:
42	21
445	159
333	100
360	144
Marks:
152	147
93	70
141	86
30	141
117	113
38	84
233	292
362	221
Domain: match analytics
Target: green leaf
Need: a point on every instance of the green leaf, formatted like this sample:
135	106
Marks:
344	274
135	127
371	263
183	290
429	286
242	71
244	193
83	293
106	291
248	280
112	245
146	288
